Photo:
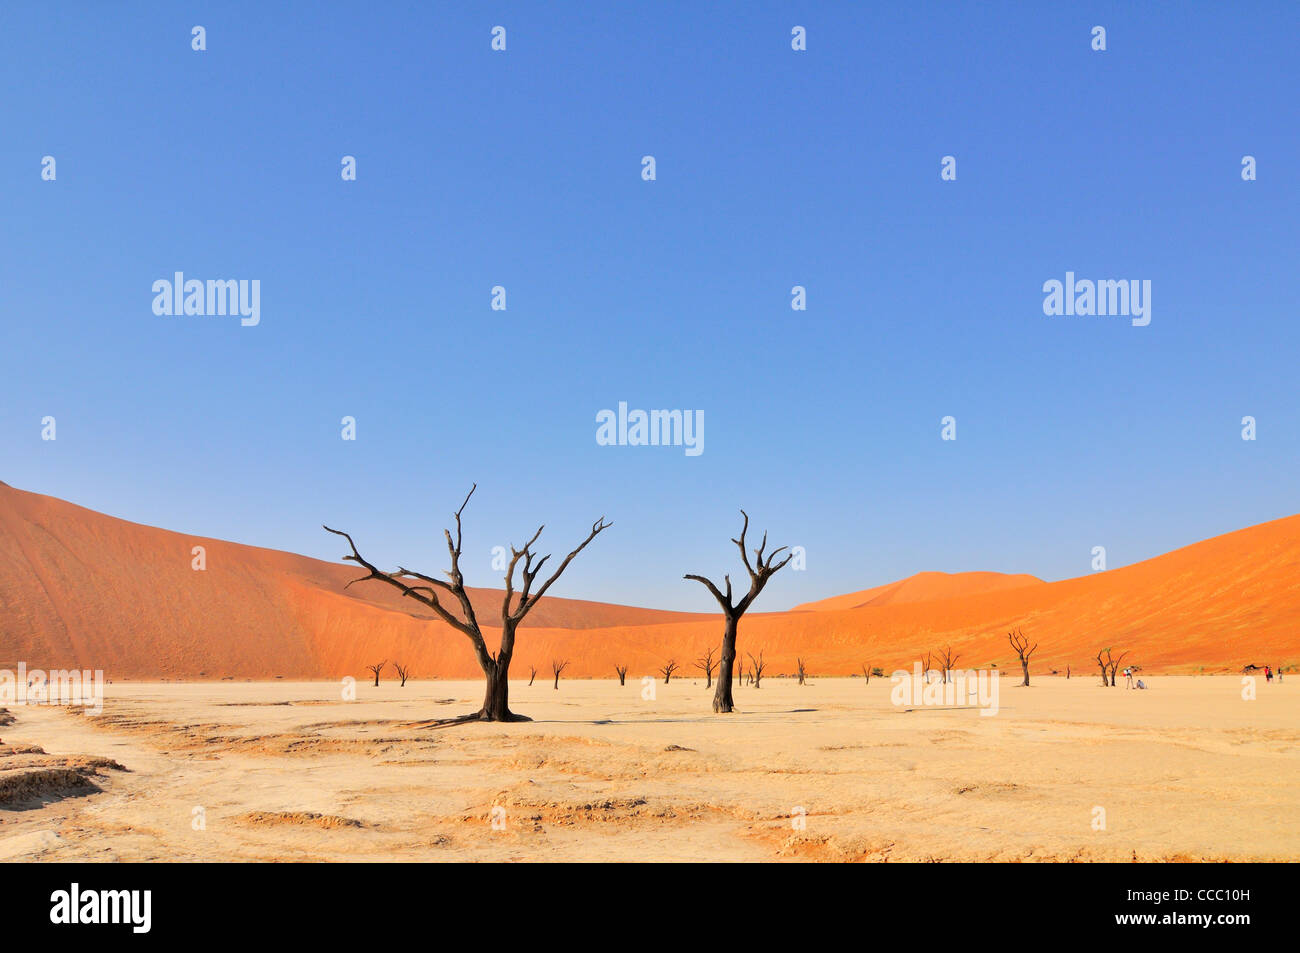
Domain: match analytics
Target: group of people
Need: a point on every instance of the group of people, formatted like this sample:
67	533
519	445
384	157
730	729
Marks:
1129	681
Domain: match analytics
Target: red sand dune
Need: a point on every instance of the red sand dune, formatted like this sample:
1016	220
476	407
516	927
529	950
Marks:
924	587
80	589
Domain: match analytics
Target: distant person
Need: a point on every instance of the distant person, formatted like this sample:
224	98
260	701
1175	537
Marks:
1141	684
1128	678
1279	674
1268	674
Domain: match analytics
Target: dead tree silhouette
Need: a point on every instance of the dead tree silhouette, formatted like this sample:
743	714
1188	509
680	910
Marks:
947	659
532	673
667	670
375	670
707	665
756	666
1109	664
1114	666
557	668
496	667
759	573
1023	649
403	672
802	672
622	673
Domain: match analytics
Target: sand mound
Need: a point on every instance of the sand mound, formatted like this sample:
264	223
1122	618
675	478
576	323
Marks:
28	774
298	818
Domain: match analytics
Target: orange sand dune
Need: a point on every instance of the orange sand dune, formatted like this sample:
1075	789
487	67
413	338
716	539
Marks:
80	589
924	587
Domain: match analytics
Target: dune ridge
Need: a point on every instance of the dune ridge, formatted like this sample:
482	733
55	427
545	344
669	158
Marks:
85	590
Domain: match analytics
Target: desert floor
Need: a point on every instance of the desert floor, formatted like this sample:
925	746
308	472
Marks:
1188	770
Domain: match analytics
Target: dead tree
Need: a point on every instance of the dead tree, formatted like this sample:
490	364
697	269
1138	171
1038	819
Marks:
866	674
759	573
667	670
1023	649
707	665
1114	665
947	659
1109	664
403	672
927	664
375	670
557	668
1067	673
532	674
756	666
496	667
622	673
802	672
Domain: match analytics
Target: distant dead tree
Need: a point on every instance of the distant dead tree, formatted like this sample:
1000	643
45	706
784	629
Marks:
759	573
802	672
740	673
667	670
756	666
403	672
1109	664
927	664
496	668
622	674
532	673
866	674
947	661
557	669
1023	649
376	669
707	665
1114	665
1067	673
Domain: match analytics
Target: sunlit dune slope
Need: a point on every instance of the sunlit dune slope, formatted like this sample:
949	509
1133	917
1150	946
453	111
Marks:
924	587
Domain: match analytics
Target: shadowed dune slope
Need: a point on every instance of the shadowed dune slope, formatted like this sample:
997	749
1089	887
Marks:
81	589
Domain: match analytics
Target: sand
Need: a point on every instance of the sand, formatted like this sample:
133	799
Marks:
289	771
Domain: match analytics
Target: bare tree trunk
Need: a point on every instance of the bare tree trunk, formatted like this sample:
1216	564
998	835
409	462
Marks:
496	697
722	700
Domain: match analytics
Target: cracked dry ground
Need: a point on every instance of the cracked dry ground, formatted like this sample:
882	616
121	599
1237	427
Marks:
829	771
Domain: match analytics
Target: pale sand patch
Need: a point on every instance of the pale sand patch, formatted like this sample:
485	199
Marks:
289	771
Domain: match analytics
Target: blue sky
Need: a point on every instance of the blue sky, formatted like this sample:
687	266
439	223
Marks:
775	168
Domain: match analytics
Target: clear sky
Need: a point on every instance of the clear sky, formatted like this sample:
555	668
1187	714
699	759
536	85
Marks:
774	168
